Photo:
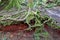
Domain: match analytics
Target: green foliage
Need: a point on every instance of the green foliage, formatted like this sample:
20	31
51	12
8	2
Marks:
31	16
5	23
49	4
44	1
30	5
39	19
39	24
57	2
0	1
14	3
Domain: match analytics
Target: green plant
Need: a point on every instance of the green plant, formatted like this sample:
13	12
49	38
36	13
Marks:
14	3
57	2
49	4
29	15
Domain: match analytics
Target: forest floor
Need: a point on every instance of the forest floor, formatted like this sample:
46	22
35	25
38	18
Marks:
28	36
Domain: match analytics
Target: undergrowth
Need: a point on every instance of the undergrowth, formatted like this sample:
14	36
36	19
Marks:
32	15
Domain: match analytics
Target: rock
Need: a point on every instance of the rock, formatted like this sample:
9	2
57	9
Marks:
54	13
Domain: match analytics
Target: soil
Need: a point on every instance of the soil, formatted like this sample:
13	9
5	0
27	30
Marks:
55	33
14	27
13	33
